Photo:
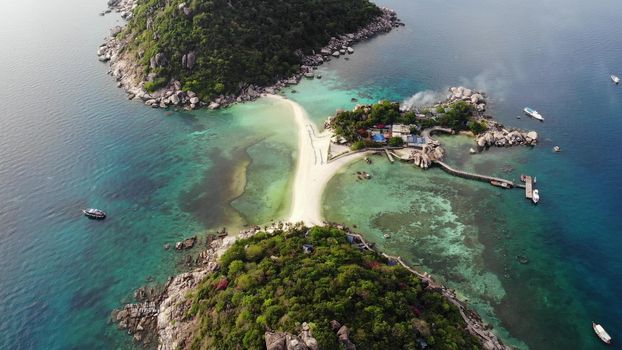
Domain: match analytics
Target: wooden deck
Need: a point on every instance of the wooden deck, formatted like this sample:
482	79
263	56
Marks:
528	187
472	176
389	155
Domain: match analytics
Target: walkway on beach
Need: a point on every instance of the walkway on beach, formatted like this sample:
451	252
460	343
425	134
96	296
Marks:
313	170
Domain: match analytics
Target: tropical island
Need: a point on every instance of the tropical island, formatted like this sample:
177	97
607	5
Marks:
294	287
194	53
406	130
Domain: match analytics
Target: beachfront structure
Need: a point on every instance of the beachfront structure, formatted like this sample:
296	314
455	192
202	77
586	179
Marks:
415	141
400	130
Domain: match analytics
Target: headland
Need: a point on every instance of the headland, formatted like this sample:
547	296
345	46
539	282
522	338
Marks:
163	78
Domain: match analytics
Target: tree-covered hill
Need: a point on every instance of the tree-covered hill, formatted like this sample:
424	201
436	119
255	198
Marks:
274	282
216	46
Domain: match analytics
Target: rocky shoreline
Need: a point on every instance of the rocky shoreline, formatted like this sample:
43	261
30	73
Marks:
159	315
128	73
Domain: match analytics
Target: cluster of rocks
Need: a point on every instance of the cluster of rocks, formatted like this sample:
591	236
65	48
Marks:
186	243
339	46
428	154
124	7
140	318
129	75
159	315
305	340
476	98
506	138
286	341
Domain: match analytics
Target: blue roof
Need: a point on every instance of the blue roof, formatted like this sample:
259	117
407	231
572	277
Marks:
418	140
378	138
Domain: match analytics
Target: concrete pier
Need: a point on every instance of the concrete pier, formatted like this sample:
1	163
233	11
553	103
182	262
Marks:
472	176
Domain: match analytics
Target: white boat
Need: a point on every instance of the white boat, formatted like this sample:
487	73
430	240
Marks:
535	196
93	213
533	113
615	79
601	333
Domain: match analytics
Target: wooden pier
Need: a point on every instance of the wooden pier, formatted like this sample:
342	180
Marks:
389	155
473	176
528	186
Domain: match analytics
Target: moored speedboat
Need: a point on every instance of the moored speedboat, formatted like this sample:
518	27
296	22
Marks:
501	184
535	196
601	333
93	213
533	113
615	79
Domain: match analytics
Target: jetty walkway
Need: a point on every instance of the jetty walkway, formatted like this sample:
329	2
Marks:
474	323
472	176
427	133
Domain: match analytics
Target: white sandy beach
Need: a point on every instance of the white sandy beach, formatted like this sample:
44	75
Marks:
313	171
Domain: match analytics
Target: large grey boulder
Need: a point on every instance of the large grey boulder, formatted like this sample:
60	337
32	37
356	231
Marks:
275	341
307	337
295	343
191	59
213	105
158	60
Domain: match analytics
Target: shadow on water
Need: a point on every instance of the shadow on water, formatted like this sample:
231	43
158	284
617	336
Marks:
209	200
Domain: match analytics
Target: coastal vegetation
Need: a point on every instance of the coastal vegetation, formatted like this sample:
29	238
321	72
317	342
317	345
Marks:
216	47
354	126
275	282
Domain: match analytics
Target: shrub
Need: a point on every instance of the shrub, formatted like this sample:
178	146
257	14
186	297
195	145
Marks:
396	141
155	84
360	144
477	127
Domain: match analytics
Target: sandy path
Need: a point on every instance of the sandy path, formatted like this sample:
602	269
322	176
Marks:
313	170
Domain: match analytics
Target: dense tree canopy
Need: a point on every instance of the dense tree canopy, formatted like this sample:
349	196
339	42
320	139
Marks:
352	125
268	282
238	42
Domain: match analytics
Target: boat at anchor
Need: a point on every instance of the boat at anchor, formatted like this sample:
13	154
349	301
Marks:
601	333
615	79
533	113
93	213
535	197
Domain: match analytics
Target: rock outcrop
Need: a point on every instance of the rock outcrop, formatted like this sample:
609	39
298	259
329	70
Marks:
159	315
186	243
500	137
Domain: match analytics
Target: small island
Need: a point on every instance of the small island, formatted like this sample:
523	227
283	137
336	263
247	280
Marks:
289	286
405	132
215	53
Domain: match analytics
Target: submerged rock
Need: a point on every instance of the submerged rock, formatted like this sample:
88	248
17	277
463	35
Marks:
186	243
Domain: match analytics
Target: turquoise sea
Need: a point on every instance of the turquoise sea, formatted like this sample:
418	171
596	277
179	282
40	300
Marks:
69	139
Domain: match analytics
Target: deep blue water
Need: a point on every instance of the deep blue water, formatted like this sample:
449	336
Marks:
69	139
